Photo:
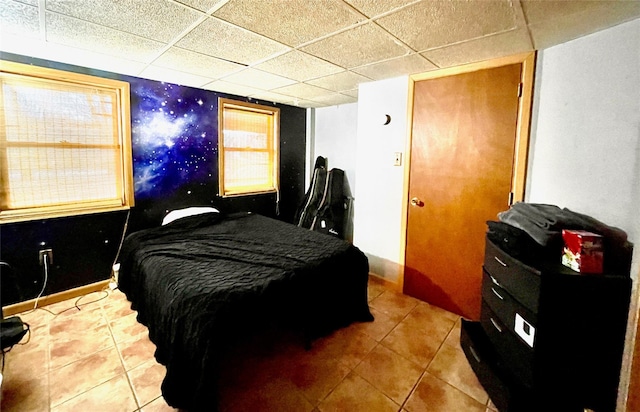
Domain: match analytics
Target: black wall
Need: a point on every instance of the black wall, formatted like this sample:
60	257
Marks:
85	247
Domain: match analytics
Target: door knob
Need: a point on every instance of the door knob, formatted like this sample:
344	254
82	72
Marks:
417	202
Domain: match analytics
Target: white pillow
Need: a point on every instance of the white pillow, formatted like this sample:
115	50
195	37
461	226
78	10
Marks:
189	211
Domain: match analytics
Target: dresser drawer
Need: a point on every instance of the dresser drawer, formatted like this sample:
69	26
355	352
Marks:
519	280
484	363
516	317
518	357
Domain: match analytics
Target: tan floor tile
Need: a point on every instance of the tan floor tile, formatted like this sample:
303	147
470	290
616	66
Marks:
417	347
275	396
25	394
35	318
374	288
354	394
71	347
113	395
394	305
429	319
126	328
158	405
453	338
399	377
68	326
116	306
346	345
73	379
379	328
23	364
434	395
146	380
136	351
315	379
451	366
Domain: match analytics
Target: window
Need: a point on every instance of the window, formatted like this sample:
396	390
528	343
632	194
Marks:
247	148
65	143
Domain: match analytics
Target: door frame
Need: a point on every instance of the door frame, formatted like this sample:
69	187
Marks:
522	132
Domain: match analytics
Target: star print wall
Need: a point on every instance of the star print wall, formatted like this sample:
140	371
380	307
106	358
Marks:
174	135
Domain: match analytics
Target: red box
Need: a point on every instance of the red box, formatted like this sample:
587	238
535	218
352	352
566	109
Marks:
583	251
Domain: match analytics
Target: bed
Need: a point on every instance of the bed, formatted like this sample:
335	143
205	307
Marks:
201	281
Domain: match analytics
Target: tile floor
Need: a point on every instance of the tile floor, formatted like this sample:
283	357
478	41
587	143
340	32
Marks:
99	358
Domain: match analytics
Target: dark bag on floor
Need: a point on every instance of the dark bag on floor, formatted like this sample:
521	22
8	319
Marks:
12	330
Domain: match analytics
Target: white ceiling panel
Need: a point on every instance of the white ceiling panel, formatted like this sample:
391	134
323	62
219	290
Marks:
220	39
299	66
291	22
196	63
309	53
340	81
249	77
81	34
401	66
435	23
159	20
358	46
18	18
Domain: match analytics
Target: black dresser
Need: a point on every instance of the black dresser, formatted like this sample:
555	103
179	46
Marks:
549	338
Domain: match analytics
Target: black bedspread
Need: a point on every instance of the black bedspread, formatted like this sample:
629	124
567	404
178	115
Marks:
200	282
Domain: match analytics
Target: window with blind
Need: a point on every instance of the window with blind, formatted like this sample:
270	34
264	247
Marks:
247	148
65	143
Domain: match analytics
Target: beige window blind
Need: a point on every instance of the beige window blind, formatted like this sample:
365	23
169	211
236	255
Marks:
64	146
248	148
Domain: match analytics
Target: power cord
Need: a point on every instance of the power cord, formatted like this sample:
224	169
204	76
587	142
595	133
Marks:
115	260
45	265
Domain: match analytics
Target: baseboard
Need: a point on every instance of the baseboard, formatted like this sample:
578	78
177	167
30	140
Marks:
54	298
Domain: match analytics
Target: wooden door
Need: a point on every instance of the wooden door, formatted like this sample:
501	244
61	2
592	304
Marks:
462	156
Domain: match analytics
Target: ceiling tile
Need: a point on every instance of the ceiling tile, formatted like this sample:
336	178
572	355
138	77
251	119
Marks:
229	88
222	40
83	35
18	18
555	22
303	91
358	46
174	76
340	81
334	99
485	48
159	20
434	23
292	22
196	63
250	77
266	96
69	55
299	66
202	5
400	66
372	8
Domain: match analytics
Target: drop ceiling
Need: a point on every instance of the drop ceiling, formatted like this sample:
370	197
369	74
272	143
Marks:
309	53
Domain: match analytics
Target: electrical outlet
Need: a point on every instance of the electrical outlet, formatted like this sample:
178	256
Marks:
48	253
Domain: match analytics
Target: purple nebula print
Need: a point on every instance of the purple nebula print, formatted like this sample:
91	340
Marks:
174	133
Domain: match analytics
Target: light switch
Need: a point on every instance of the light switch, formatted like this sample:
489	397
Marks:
397	159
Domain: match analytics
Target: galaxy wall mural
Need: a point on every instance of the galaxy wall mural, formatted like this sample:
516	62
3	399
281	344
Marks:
174	134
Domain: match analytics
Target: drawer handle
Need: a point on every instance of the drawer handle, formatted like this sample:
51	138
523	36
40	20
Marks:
495	325
499	261
475	355
497	294
495	281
